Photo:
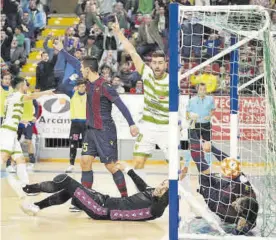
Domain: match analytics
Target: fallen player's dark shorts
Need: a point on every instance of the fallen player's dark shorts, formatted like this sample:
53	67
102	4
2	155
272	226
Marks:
101	143
91	202
202	130
77	129
26	131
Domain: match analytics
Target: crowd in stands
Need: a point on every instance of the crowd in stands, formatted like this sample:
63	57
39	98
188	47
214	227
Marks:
145	24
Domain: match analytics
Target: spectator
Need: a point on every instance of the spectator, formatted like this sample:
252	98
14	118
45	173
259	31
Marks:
106	6
10	8
50	51
45	78
192	38
6	39
128	77
117	84
110	58
208	79
19	36
28	31
91	49
81	33
139	88
149	38
37	17
145	6
162	21
72	73
106	72
212	45
16	57
130	7
110	42
122	16
138	20
69	39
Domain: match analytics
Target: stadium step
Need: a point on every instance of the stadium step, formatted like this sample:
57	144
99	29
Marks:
29	67
63	21
55	31
57	23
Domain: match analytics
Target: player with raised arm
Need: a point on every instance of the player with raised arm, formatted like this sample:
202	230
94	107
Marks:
155	120
148	204
101	134
229	194
9	145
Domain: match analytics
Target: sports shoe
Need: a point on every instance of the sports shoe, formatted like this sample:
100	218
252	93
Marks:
73	208
29	208
11	169
70	169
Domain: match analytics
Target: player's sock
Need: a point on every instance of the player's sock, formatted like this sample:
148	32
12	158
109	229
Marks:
22	173
8	163
120	181
208	157
87	178
32	158
73	152
16	185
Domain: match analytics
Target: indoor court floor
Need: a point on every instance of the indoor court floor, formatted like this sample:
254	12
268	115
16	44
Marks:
57	223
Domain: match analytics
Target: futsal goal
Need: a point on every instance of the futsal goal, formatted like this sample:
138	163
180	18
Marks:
231	50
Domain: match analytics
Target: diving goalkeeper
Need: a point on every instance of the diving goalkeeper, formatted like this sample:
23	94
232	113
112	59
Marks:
148	204
229	195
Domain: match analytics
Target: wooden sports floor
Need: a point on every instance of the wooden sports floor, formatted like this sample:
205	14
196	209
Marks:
57	223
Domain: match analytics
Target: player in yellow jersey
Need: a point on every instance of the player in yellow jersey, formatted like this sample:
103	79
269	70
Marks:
9	145
78	118
30	113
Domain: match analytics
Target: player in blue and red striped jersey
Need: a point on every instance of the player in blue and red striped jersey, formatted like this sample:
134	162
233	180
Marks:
101	136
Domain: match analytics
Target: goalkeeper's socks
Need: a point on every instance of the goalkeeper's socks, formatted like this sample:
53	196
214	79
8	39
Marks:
22	173
208	157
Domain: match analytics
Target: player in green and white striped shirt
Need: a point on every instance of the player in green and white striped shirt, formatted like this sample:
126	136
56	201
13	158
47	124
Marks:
155	120
9	145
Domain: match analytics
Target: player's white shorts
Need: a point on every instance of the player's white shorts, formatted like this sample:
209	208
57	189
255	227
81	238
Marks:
9	143
151	135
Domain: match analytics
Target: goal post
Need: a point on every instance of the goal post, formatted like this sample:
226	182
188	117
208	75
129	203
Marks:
245	124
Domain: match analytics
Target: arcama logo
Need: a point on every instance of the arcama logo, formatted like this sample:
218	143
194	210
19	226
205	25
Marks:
57	105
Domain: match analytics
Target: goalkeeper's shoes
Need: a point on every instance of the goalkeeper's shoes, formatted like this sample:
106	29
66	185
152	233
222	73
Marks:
11	169
70	169
29	208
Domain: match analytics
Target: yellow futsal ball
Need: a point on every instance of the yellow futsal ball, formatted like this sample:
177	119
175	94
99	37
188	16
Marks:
230	167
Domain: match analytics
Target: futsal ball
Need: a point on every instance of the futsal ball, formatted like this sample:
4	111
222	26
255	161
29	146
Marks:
230	167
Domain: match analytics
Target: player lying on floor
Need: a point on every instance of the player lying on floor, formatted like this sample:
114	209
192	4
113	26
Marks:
230	194
148	204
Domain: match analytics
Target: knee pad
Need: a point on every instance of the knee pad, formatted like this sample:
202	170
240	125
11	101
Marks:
60	178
